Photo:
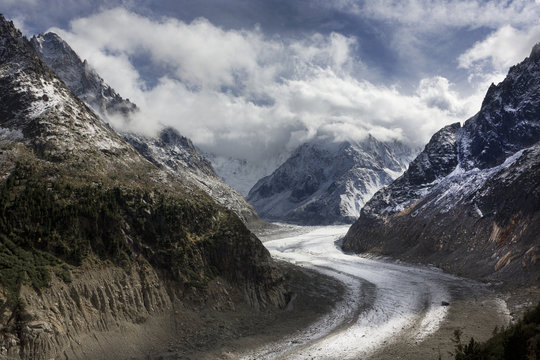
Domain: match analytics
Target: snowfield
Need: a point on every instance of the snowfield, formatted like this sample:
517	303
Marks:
384	300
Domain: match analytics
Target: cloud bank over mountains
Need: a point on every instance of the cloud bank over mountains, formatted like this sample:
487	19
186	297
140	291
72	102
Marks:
245	91
243	94
490	59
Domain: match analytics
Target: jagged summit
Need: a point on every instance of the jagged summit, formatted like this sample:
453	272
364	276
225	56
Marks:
37	105
508	120
325	182
172	151
80	77
15	51
469	202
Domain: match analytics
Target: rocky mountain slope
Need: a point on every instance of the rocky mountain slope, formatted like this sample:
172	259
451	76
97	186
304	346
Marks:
325	183
169	150
95	240
470	201
79	76
177	154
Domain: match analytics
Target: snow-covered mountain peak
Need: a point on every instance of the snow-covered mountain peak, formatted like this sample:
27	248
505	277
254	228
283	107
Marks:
80	77
328	182
41	113
509	119
50	44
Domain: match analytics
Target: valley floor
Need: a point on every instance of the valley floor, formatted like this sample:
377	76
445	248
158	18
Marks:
215	334
353	307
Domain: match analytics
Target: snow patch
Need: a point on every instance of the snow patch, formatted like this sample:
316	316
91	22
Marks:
478	211
510	109
462	183
10	135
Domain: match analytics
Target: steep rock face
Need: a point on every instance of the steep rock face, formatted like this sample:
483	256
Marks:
508	120
326	183
169	150
80	77
73	192
473	211
438	159
106	312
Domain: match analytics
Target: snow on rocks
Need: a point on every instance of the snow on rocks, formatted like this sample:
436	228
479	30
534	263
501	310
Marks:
324	182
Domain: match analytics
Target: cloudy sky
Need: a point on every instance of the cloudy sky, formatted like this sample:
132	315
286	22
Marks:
251	78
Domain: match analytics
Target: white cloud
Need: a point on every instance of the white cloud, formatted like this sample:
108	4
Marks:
435	92
417	29
488	60
239	93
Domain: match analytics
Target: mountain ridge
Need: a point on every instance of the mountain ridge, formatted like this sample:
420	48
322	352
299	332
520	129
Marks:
177	154
469	202
79	76
168	150
324	182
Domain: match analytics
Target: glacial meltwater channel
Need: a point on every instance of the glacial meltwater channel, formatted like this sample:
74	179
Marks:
384	300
